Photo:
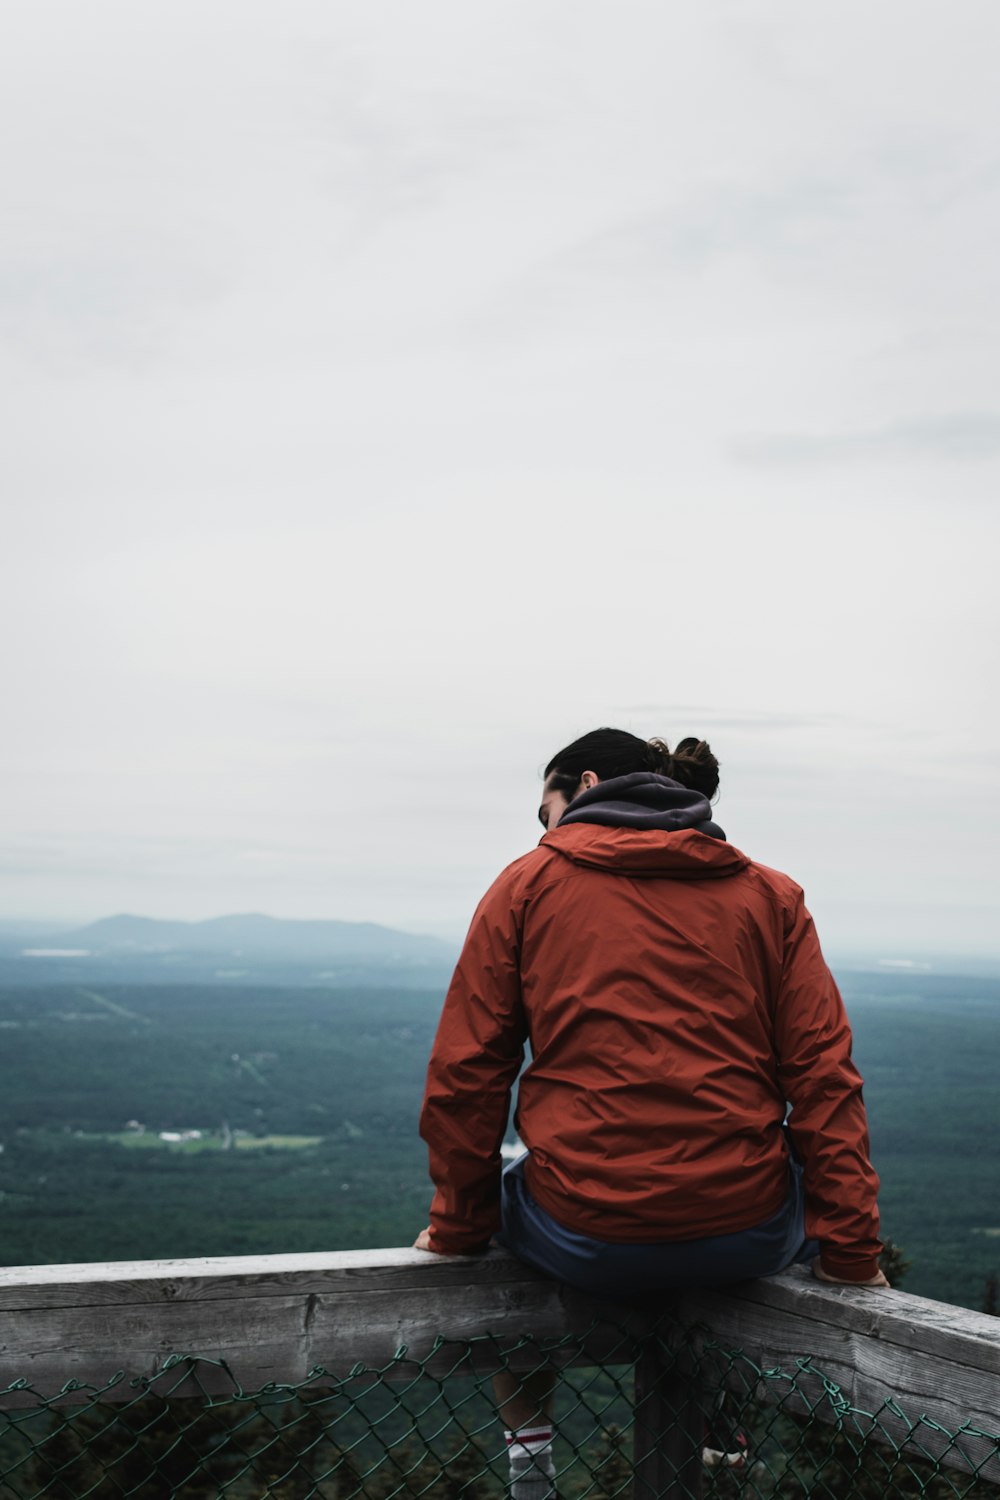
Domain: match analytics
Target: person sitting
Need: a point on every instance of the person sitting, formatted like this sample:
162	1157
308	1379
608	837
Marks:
691	1114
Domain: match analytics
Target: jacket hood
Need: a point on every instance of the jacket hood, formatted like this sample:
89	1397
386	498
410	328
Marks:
643	800
645	825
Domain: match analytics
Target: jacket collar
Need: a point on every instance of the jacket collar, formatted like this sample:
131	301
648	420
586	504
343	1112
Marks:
644	800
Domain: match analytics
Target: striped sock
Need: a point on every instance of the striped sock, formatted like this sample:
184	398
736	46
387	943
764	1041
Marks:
532	1468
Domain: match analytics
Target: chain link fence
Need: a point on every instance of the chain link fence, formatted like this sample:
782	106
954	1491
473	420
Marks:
726	1426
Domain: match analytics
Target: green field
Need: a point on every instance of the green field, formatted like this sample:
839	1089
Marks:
200	1140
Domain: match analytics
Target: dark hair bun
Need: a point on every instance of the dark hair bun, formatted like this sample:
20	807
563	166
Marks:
691	763
615	752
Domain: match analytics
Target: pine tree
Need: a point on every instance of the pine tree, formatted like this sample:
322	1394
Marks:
893	1262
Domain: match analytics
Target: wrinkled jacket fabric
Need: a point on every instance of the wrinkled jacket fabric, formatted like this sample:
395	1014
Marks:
675	999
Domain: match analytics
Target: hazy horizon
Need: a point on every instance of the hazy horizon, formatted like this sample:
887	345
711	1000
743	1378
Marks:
916	957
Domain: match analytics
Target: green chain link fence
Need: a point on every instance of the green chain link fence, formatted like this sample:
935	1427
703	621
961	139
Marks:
403	1431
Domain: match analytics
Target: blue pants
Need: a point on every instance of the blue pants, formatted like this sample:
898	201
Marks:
621	1273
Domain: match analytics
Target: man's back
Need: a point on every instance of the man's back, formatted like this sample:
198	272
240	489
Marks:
675	997
650	964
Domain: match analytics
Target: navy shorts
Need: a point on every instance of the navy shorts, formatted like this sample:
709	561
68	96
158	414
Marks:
622	1273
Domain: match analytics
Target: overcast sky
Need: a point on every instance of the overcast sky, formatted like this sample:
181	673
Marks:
393	392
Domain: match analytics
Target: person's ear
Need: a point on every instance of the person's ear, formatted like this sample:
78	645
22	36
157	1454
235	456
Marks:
589	779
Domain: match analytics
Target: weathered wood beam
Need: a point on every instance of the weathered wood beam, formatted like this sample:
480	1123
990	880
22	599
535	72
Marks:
277	1318
938	1364
669	1429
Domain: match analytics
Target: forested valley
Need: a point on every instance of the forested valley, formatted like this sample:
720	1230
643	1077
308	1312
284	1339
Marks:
151	1121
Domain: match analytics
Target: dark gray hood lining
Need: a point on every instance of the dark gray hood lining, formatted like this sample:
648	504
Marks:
643	800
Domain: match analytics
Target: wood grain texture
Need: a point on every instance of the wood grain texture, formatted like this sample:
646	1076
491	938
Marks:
333	1312
838	1346
278	1318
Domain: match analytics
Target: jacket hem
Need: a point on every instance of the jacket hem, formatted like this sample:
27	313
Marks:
849	1270
600	1222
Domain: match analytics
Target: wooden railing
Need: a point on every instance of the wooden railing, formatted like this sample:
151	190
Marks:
276	1318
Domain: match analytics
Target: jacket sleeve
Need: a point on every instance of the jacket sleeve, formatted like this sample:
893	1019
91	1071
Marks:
476	1057
828	1124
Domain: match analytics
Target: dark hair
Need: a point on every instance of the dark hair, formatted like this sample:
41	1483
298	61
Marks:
615	752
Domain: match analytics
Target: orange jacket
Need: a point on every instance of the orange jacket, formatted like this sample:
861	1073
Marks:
675	999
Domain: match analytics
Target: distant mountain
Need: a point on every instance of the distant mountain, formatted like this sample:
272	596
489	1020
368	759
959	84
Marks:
252	935
247	948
